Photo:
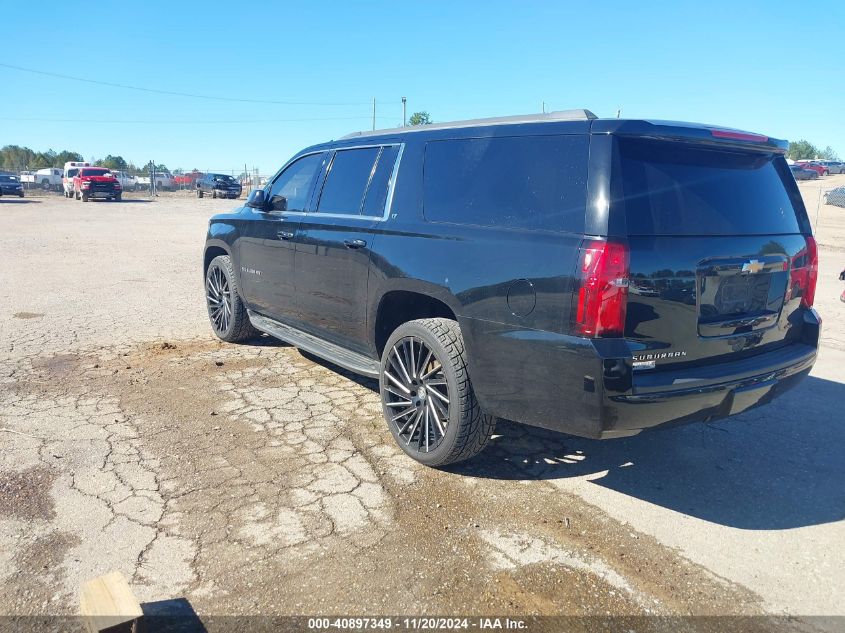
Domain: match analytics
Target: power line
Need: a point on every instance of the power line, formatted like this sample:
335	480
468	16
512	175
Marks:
178	94
188	121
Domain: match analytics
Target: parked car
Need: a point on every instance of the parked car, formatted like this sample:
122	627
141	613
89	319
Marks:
803	174
833	166
218	186
821	170
481	269
71	171
11	186
835	197
127	181
96	182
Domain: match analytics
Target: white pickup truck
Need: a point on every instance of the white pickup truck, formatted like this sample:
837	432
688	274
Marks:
48	179
164	181
127	181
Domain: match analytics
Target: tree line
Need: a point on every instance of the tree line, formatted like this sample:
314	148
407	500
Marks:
805	150
16	159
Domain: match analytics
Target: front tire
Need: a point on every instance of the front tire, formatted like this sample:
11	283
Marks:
226	310
427	397
214	194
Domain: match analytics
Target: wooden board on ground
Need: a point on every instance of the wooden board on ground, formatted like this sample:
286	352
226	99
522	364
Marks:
108	605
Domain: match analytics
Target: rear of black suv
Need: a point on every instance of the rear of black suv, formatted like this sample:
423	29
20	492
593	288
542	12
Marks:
594	277
698	296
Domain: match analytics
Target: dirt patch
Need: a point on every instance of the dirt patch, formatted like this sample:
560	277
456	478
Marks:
28	315
26	494
283	475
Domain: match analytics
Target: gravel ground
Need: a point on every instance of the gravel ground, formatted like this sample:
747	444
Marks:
254	479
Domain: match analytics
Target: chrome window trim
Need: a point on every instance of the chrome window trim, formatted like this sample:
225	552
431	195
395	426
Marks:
391	186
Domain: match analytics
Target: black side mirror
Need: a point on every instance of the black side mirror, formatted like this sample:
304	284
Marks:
279	203
257	200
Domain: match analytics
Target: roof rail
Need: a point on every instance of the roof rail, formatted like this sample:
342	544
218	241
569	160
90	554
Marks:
545	117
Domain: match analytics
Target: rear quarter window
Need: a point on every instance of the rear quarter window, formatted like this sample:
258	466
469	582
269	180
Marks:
666	188
524	182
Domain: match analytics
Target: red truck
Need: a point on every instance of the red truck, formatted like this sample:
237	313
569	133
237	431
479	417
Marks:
820	169
96	182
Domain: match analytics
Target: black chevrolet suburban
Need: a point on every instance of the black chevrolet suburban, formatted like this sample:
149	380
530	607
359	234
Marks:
595	277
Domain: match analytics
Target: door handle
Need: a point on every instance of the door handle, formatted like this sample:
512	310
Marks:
354	243
284	235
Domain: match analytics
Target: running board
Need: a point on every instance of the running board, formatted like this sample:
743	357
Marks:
353	361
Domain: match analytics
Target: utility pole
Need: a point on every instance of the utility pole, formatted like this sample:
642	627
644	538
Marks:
404	111
618	112
544	107
374	114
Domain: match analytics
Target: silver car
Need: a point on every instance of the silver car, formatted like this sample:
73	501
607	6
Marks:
833	166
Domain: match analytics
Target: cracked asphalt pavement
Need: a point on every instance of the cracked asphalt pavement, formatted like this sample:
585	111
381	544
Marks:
255	479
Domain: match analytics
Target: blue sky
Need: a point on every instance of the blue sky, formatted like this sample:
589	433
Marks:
777	68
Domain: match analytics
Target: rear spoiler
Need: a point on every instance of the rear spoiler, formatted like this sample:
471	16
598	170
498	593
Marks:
691	132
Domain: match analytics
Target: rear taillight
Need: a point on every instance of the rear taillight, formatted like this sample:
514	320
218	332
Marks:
736	135
811	273
603	289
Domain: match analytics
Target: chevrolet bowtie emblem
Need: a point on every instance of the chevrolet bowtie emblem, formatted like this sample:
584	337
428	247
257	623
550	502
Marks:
754	266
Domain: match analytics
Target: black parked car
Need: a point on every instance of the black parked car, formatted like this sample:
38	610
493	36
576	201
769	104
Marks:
10	186
218	186
803	174
481	269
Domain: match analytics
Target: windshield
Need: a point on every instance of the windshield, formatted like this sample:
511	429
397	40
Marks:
224	178
95	172
8	179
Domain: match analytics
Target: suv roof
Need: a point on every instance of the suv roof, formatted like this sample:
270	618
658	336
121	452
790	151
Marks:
589	122
560	115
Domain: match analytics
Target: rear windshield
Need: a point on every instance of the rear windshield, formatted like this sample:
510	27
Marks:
671	189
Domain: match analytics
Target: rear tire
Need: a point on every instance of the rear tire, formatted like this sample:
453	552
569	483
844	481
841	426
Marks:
427	397
214	194
226	310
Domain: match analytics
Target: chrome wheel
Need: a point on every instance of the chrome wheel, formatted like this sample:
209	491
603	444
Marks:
416	394
219	297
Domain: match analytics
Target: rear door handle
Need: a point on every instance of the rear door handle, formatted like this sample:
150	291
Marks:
354	243
285	235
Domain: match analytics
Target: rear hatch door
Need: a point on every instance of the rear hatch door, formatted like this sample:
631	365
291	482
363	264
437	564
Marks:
718	253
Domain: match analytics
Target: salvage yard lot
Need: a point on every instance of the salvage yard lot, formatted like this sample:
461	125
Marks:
255	479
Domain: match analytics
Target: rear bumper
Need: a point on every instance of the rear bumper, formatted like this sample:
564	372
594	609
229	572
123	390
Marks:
586	387
707	393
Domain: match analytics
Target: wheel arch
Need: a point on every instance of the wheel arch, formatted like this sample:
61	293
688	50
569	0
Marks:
400	304
214	248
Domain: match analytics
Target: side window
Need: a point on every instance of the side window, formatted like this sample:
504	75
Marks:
377	192
290	190
347	180
527	182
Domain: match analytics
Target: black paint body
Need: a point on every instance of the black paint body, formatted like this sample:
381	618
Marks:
512	290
